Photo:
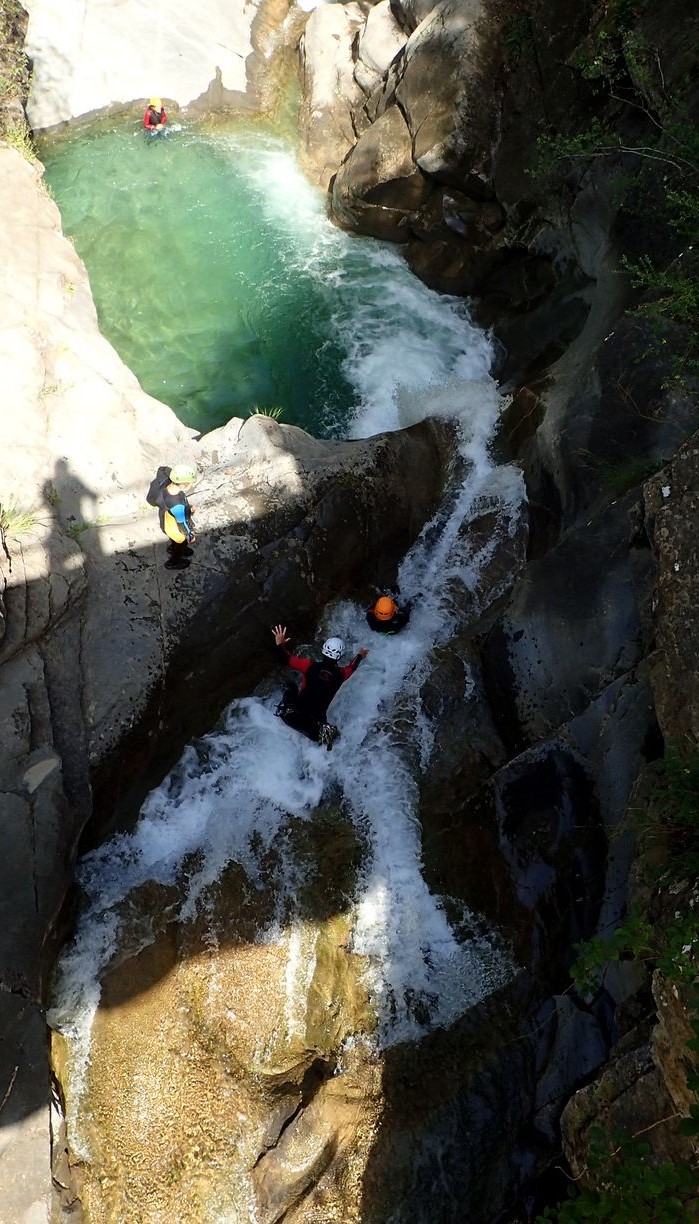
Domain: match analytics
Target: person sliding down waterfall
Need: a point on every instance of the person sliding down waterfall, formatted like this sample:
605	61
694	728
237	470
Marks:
306	708
386	617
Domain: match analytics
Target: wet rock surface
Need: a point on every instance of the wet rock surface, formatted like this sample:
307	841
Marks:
107	658
569	683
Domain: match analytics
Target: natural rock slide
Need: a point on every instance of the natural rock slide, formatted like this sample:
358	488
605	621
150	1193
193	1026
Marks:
312	986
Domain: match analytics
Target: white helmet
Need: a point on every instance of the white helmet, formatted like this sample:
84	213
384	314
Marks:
333	648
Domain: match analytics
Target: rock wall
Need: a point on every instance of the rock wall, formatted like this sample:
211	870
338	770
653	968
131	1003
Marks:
89	59
578	674
108	662
573	694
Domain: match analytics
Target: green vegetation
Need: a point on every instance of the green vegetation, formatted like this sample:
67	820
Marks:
629	1188
276	414
518	31
14	79
624	1183
637	118
15	519
674	812
76	530
672	298
621	474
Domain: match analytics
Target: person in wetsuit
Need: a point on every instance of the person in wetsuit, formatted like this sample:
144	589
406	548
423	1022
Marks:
167	492
306	708
155	118
386	617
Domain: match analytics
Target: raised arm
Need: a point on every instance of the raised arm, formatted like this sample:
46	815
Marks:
354	664
281	639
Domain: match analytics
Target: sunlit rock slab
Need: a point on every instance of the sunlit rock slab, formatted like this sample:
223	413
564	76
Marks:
216	1083
88	56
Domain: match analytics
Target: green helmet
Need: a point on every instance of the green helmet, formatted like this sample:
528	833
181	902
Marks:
183	473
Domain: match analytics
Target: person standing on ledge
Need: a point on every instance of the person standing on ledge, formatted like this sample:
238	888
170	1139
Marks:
386	617
155	119
167	491
306	709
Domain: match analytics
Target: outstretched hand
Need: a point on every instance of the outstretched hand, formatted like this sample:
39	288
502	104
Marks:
363	652
280	634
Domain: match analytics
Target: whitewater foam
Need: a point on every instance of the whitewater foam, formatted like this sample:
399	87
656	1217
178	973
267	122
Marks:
410	353
399	338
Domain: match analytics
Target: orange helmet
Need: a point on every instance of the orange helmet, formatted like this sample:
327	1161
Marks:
385	608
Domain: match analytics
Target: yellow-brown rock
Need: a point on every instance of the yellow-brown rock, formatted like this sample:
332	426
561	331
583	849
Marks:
218	1087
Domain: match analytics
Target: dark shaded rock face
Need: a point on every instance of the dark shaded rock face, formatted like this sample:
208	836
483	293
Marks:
577	671
392	186
283	561
572	627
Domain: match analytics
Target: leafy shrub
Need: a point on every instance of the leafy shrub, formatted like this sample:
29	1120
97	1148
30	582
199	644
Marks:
630	1188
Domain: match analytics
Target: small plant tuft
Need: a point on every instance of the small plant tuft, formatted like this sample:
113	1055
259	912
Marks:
76	529
275	414
15	519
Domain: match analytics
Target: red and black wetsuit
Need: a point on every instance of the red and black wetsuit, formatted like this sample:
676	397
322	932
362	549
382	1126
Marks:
307	709
153	117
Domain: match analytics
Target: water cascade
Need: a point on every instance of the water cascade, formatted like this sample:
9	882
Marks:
405	353
223	287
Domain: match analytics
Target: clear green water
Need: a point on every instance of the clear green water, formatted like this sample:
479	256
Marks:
221	283
191	277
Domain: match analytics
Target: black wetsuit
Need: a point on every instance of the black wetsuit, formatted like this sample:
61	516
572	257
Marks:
394	625
306	708
178	551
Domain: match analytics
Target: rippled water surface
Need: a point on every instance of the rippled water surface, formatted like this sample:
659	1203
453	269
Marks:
222	284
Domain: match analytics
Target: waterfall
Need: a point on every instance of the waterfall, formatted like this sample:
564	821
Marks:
409	353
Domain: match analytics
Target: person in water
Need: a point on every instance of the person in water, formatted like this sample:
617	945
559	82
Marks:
155	118
306	708
386	617
168	492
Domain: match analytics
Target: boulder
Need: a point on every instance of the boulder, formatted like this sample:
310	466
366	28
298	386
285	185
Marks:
378	187
88	58
240	1084
432	116
380	42
330	91
449	91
